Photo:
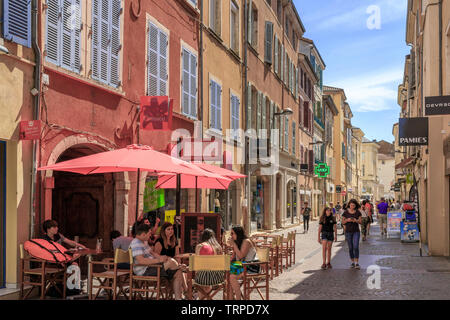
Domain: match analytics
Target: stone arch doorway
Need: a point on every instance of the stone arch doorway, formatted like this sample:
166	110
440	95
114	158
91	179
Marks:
90	206
83	205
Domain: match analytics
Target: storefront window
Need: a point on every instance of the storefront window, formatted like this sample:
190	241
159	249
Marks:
257	211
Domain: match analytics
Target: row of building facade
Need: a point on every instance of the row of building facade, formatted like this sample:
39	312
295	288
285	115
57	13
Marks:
423	172
81	66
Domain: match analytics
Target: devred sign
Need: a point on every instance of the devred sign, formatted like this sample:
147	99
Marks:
156	113
30	130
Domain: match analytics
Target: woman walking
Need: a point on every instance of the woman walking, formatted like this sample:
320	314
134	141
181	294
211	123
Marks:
327	234
352	219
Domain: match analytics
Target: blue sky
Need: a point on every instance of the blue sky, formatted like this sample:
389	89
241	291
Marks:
367	63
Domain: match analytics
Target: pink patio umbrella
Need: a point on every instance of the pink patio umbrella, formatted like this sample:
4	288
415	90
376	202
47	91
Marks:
168	181
132	158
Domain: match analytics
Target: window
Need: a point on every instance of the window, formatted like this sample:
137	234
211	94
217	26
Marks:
276	55
254	27
189	84
363	170
286	27
234	26
279	10
293	137
268	42
215	22
17	21
215	103
249	106
286	133
63	30
235	110
157	61
106	41
194	3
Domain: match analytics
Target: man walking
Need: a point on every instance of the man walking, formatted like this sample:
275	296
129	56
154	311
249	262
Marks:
382	216
306	213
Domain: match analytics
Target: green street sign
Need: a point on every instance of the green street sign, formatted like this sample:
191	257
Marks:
322	170
409	178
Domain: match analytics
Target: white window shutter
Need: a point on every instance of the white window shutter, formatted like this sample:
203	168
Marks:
163	60
263	109
115	46
212	102
258	114
219	107
186	82
249	106
53	26
193	86
152	60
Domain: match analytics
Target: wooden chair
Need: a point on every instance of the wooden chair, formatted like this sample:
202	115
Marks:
285	251
273	257
209	263
149	287
49	275
257	281
113	278
292	246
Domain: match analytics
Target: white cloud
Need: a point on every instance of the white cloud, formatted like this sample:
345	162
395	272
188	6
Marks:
372	92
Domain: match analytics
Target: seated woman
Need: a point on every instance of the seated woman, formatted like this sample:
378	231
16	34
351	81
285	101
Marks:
208	246
244	250
167	245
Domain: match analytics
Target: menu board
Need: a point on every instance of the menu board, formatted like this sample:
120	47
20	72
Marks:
394	219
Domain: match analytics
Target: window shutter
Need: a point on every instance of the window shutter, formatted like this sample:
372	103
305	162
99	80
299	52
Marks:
282	64
218	16
152	61
263	112
212	97
237	114
286	133
275	62
258	113
268	42
212	11
249	23
104	41
53	24
17	21
115	46
219	107
249	106
281	130
311	161
163	75
293	137
186	82
296	84
70	28
193	86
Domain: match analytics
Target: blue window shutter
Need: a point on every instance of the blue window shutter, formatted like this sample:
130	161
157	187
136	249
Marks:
104	41
53	28
212	102
115	45
76	37
66	29
162	62
17	21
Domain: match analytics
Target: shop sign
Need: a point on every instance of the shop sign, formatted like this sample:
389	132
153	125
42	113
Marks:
322	170
338	189
30	130
413	132
156	113
437	105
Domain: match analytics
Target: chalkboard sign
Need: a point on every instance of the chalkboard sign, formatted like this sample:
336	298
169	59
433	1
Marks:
192	226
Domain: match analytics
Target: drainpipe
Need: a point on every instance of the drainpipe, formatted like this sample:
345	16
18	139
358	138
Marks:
200	58
440	48
37	85
247	142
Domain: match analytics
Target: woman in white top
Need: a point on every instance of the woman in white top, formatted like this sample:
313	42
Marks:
243	250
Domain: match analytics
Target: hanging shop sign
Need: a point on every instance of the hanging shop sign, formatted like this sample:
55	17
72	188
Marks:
30	130
156	113
322	170
437	105
413	132
338	189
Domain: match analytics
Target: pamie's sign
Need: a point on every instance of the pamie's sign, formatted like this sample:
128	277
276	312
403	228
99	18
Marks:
413	132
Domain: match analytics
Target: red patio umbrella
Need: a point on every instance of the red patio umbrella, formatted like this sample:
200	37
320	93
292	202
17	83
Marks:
132	158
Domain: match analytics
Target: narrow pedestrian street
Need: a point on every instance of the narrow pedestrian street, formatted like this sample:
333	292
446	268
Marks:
403	273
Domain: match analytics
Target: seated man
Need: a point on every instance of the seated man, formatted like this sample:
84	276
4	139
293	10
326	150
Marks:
119	241
142	254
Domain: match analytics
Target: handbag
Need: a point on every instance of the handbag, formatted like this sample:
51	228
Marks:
236	267
253	268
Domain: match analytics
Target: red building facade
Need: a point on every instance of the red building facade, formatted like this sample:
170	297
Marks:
97	63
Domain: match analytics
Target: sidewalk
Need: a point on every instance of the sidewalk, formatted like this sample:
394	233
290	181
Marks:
403	273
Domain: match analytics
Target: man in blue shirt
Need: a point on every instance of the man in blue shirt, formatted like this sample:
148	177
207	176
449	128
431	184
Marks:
382	215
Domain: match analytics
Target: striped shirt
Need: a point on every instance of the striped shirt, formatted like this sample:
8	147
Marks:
140	248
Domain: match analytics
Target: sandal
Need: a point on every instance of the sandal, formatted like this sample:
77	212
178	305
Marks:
324	266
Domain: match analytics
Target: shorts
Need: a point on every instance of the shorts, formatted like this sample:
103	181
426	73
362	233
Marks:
209	278
152	271
329	236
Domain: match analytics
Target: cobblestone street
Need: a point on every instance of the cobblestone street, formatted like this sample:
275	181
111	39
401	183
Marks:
404	274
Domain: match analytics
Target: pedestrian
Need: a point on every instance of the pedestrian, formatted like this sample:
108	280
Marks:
364	219
382	208
338	206
306	214
369	208
327	234
352	220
